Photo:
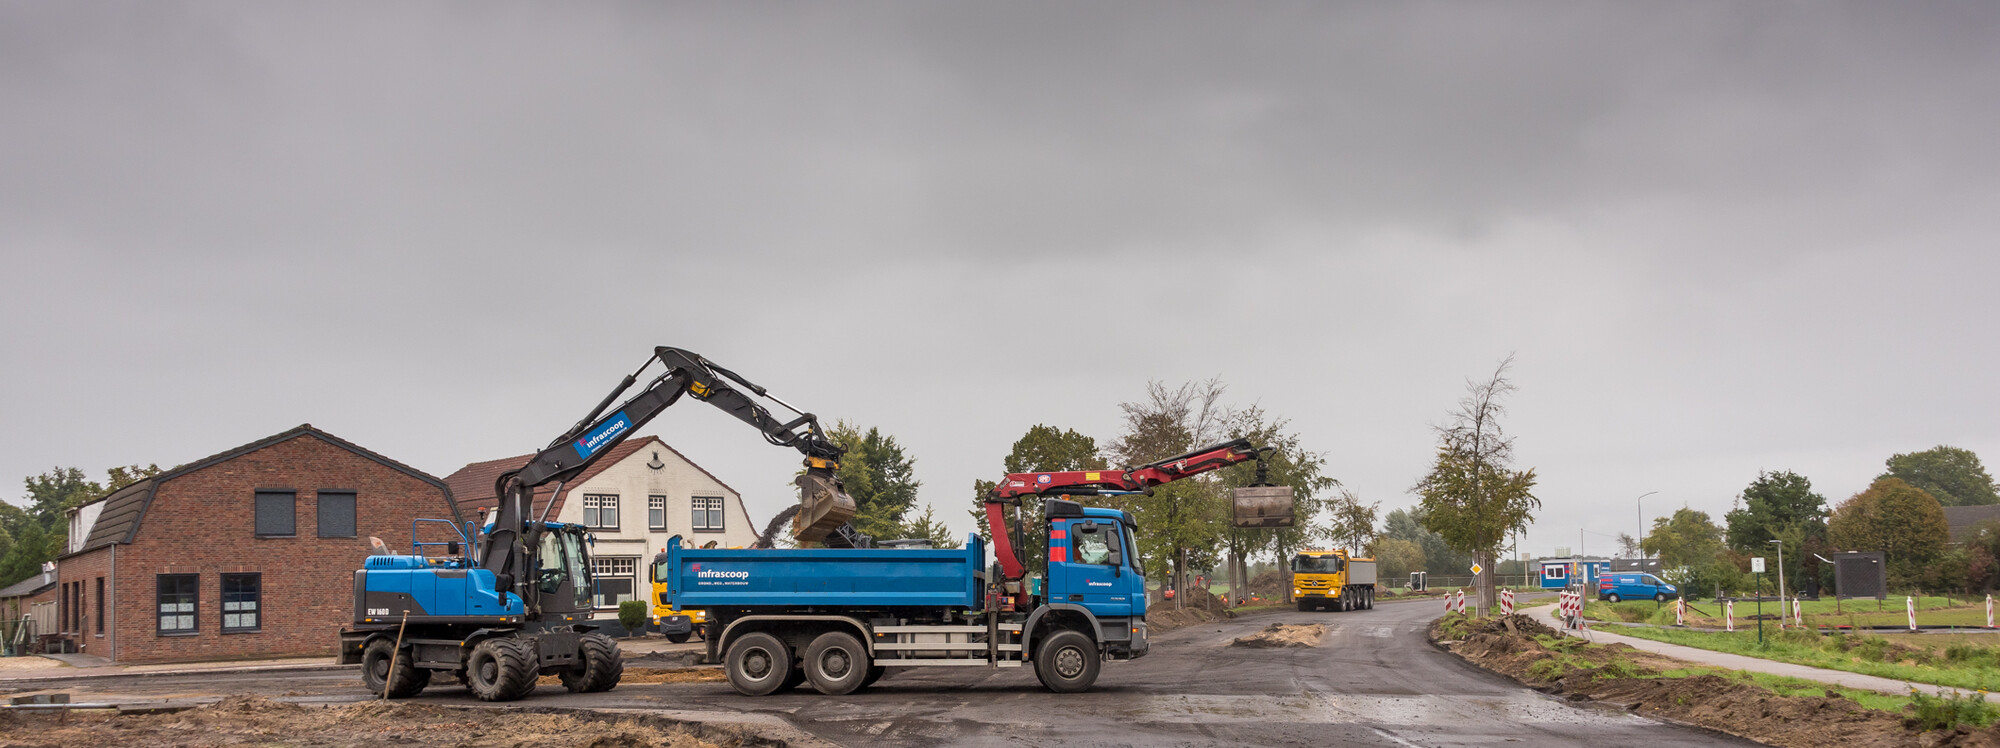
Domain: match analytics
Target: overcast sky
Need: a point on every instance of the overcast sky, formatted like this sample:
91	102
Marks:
1719	238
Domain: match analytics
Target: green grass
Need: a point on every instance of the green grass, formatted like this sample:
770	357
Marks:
1961	666
1931	611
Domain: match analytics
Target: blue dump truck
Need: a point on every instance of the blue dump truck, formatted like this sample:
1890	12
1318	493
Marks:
840	618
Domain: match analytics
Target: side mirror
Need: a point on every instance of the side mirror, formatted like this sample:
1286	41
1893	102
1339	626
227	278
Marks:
451	548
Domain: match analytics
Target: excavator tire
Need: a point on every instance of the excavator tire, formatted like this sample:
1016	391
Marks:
602	666
405	681
500	669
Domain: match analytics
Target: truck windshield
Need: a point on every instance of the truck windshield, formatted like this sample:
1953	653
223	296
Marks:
577	559
1316	564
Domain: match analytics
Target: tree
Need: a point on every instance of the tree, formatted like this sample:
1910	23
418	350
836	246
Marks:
1902	521
1628	546
1353	522
1184	520
1471	497
880	477
1044	449
32	548
1289	464
1396	558
1690	548
1439	558
926	527
1774	501
1951	475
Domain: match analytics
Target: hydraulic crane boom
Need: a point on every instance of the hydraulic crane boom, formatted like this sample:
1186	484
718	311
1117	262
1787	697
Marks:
1139	479
514	538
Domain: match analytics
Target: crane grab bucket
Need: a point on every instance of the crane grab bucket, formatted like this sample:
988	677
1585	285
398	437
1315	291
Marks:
822	508
1263	506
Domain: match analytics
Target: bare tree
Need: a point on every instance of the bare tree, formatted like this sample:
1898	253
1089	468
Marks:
1472	497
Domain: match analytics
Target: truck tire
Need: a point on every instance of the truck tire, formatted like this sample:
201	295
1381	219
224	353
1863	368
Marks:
757	664
836	663
603	665
678	638
875	673
1368	598
500	669
408	679
1305	606
1067	662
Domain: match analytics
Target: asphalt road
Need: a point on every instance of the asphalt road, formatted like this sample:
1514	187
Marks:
1374	681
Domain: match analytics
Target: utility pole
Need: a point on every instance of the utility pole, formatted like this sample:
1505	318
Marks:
1781	579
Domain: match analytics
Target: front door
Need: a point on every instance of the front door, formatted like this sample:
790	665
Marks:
1097	571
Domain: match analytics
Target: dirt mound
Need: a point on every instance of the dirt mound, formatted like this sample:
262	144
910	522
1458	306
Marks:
1283	635
1271	584
1620	674
1168	619
250	705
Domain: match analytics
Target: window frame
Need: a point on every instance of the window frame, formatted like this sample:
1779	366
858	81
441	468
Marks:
257	512
699	504
258	601
100	606
656	506
319	511
602	568
193	602
597	511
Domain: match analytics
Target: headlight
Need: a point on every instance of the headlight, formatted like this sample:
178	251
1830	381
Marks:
1296	592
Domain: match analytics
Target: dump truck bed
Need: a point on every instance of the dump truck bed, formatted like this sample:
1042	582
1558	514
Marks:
1361	571
793	578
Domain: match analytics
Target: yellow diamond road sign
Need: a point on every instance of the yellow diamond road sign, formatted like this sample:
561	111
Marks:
1476	568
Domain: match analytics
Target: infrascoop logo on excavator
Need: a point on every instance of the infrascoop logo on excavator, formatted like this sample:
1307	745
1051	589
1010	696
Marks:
590	443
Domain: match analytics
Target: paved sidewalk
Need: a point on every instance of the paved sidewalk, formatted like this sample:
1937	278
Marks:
1740	662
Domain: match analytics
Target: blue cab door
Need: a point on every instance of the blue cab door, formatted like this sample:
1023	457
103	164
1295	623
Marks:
1093	569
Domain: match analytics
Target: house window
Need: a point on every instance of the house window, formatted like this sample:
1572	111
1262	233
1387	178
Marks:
62	617
100	606
336	514
276	514
600	511
241	594
707	514
617	578
656	512
177	601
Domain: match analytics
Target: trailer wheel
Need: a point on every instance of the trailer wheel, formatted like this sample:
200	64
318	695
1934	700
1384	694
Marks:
1368	598
602	666
1067	662
408	679
500	669
758	664
836	663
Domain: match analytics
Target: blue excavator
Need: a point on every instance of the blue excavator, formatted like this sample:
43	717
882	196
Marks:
510	600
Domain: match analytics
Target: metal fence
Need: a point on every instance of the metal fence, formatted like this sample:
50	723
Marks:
17	636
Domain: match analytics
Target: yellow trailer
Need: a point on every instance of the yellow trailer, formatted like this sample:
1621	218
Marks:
1333	580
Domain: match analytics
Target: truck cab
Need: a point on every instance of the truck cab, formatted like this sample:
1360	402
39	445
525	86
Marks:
1093	567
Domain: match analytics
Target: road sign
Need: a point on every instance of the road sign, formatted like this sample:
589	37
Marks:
1757	566
1476	568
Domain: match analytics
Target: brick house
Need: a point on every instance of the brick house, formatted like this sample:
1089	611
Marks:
641	493
245	554
27	611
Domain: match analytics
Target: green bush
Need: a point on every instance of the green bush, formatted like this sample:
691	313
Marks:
1976	656
1944	712
632	614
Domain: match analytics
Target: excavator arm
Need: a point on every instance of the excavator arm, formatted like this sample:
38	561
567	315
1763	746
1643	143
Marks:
1141	479
826	507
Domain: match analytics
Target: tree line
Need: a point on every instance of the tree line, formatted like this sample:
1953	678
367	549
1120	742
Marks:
36	534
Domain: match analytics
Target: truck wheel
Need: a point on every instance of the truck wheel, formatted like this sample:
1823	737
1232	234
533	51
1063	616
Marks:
1067	662
1305	606
1368	598
678	638
875	673
408	680
757	664
603	665
836	663
500	669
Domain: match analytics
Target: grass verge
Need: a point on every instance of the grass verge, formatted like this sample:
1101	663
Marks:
1964	666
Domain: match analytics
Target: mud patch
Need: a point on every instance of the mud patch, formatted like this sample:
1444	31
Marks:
254	720
1284	635
1619	674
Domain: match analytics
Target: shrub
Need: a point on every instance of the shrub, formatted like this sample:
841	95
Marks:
1976	656
632	614
1945	711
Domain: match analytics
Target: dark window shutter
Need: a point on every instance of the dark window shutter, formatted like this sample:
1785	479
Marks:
336	514
276	513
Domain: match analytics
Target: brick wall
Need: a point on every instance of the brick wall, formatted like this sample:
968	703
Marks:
203	523
81	573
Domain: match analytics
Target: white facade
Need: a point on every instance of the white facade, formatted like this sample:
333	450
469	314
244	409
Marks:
634	505
81	519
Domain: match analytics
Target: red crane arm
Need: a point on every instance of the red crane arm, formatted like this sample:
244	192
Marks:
1094	482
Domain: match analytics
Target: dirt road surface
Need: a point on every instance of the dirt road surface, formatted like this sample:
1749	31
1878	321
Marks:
1374	680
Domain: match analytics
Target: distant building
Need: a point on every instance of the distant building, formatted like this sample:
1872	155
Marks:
1965	520
249	553
634	498
1558	573
28	611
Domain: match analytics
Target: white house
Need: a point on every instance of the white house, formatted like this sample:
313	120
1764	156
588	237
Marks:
634	498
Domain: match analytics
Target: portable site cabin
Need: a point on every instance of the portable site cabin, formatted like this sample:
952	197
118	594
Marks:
1558	573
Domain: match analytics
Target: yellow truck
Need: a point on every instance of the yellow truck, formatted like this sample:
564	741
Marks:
676	624
1333	580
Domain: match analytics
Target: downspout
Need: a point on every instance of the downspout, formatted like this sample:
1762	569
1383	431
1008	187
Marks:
111	601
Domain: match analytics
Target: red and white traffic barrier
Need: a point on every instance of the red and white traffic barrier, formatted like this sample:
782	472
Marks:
1729	615
1506	602
1798	613
1680	611
1989	611
1911	606
1460	602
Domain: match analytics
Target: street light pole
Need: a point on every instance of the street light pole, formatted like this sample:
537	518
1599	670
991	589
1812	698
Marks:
1642	522
1781	579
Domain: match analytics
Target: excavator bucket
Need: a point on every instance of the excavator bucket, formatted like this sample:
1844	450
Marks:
822	508
1263	506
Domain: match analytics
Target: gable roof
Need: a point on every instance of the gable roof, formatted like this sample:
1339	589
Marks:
472	486
40	582
1964	520
125	508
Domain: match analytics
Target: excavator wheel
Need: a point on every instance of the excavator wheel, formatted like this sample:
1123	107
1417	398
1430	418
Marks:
500	669
405	681
603	665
